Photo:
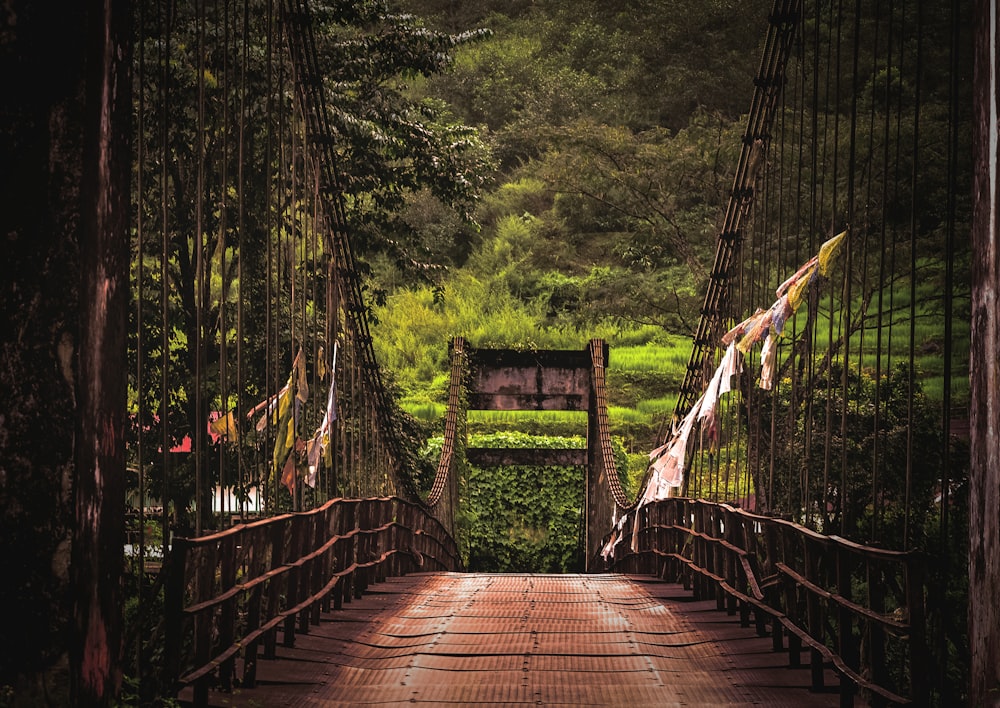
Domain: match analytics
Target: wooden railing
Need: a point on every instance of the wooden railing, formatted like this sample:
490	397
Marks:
857	609
231	593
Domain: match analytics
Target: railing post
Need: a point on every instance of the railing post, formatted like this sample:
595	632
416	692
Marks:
814	616
874	573
697	581
676	547
204	572
293	539
381	518
334	524
321	567
660	542
257	538
919	653
368	512
227	618
732	561
175	566
350	550
719	557
404	531
791	598
305	545
846	645
276	537
773	594
394	506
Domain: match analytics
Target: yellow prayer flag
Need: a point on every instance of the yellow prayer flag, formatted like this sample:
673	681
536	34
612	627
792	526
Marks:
755	332
302	381
225	426
829	250
321	363
284	434
797	291
326	450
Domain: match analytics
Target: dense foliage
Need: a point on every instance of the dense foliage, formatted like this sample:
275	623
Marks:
614	133
226	220
522	518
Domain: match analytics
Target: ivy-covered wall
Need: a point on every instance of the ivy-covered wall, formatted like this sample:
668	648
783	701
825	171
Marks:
522	518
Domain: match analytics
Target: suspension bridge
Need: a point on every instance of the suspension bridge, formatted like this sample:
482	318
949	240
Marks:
801	535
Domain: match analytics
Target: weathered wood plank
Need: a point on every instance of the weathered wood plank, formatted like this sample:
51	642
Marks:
480	639
540	457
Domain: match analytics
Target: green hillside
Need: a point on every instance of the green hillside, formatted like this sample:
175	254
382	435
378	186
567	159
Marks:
613	135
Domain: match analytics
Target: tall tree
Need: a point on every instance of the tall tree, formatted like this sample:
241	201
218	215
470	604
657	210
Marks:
984	475
65	113
219	105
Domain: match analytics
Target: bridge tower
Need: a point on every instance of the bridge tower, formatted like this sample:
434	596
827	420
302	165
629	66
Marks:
542	380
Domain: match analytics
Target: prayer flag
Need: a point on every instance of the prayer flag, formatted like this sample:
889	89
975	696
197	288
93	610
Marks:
320	443
738	331
828	251
284	419
267	404
301	379
768	357
313	449
756	331
801	274
321	363
288	474
782	311
225	426
711	396
732	365
797	292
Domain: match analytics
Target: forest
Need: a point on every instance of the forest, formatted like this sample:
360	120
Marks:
525	175
613	134
323	194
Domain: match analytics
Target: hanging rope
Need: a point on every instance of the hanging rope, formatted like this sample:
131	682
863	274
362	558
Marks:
858	164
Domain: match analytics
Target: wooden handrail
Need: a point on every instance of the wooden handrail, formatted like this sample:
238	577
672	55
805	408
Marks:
825	593
228	592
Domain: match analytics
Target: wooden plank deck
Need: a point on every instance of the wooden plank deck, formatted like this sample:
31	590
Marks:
563	640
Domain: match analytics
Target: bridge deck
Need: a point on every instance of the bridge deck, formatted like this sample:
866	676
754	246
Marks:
468	639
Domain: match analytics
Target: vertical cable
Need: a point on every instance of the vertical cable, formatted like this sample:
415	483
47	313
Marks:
846	326
865	268
140	419
832	60
240	275
949	288
270	328
912	373
800	142
882	281
164	266
224	276
290	253
314	269
350	430
337	485
810	330
772	503
199	283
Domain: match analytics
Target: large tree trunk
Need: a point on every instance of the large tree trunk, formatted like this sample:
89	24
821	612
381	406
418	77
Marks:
99	485
64	185
984	475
